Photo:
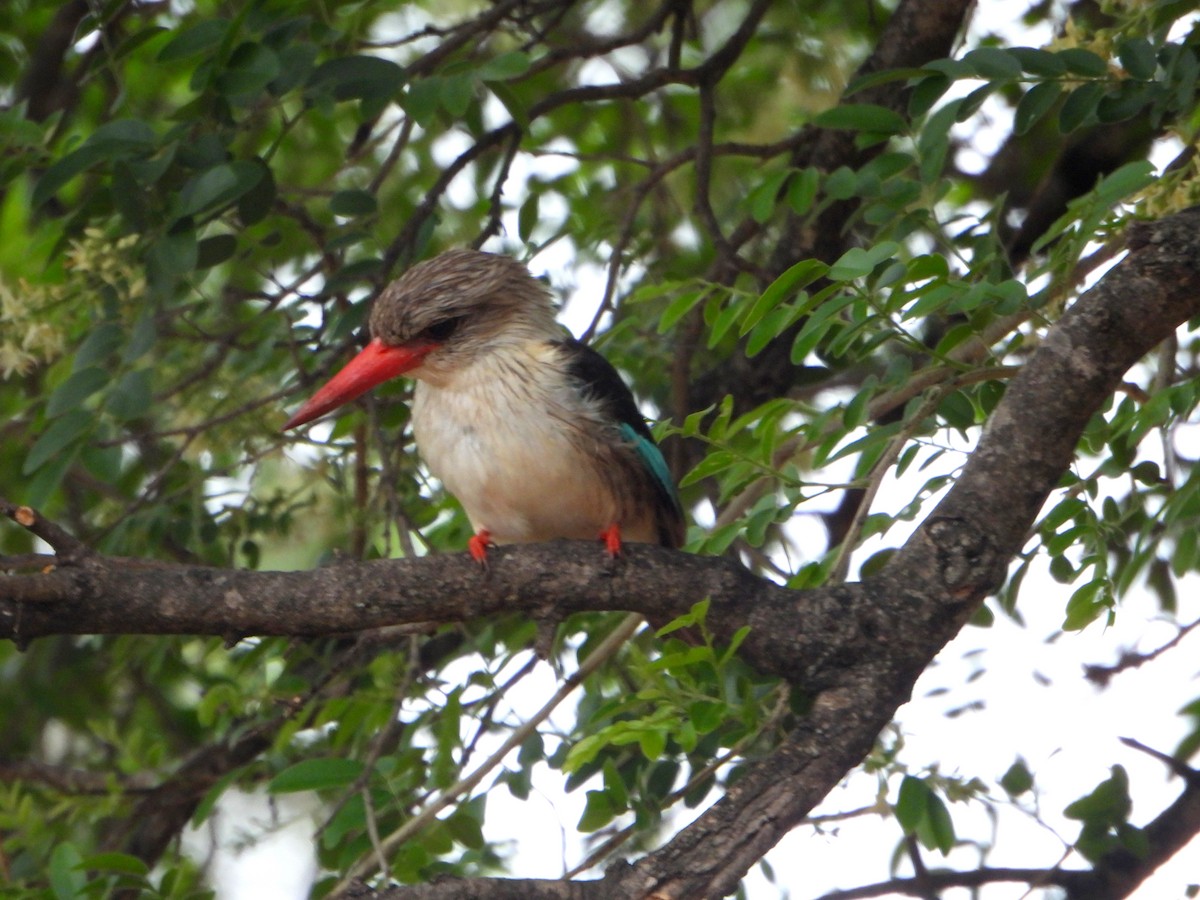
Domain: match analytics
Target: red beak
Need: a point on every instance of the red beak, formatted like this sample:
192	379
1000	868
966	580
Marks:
375	364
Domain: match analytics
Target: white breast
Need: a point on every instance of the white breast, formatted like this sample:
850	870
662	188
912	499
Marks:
502	436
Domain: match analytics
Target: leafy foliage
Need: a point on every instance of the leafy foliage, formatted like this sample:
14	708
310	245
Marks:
198	206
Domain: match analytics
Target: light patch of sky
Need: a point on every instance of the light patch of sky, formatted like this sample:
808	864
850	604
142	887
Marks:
605	19
256	846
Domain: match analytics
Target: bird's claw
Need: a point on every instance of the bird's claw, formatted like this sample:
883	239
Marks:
478	547
612	540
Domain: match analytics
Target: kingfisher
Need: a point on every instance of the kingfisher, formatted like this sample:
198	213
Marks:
533	431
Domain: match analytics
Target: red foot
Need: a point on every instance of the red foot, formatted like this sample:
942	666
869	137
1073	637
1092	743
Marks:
612	539
478	545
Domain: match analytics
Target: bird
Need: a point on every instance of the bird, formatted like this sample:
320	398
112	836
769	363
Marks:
533	431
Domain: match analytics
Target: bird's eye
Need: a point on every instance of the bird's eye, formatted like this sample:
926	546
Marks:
441	331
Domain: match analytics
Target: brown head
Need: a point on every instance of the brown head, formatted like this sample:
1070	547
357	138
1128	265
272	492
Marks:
436	317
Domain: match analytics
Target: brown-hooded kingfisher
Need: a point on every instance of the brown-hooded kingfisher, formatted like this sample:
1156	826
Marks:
534	432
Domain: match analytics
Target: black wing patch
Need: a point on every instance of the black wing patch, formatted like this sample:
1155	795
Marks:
600	381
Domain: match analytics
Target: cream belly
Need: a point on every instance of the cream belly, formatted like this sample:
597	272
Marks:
507	450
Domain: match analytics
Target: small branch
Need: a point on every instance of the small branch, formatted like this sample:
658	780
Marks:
594	660
68	548
1177	766
1102	675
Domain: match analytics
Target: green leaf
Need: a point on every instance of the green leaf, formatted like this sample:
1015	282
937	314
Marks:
296	64
678	308
582	753
512	103
353	203
61	433
466	829
1039	62
706	715
614	783
357	78
1108	803
250	69
694	616
887	76
652	743
1018	779
503	67
67	879
533	750
1079	108
1124	102
130	399
597	812
762	198
200	38
1138	57
436	838
1124	181
1084	62
926	93
122	863
858	262
101	342
254	204
808	337
712	464
725	320
937	829
793	278
1034	104
38	489
933	143
911	803
802	190
455	94
421	100
527	216
212	251
217	187
80	385
1086	604
123	137
993	62
861	117
770	327
921	812
61	172
970	104
169	259
316	775
841	183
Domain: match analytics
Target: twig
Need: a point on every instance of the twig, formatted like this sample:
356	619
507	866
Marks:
1177	766
595	659
1101	675
67	547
